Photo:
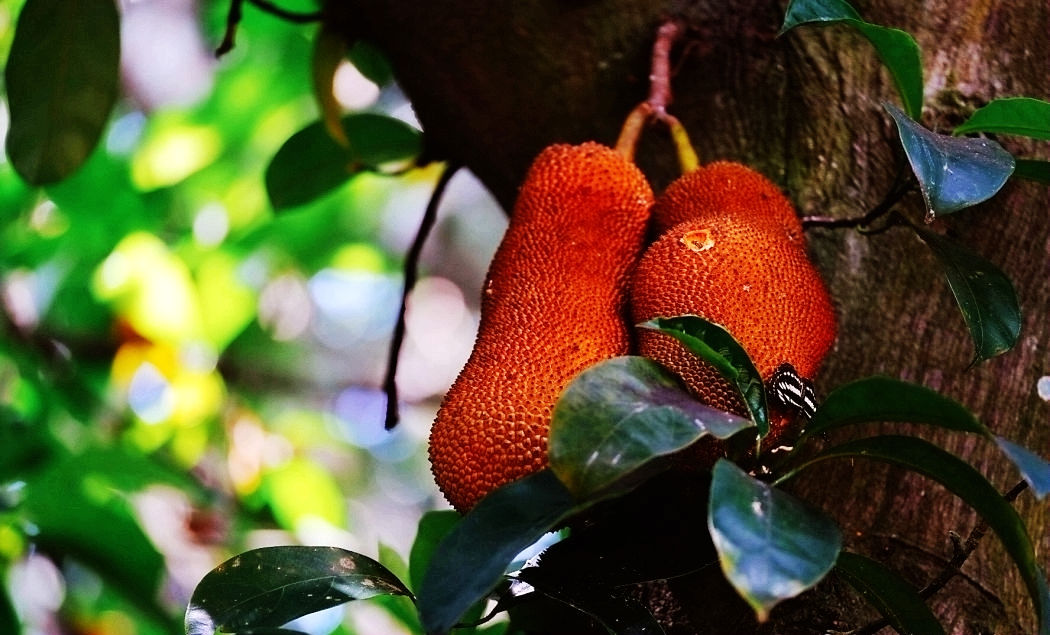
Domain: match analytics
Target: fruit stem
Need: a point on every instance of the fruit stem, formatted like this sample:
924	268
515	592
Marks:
632	130
687	159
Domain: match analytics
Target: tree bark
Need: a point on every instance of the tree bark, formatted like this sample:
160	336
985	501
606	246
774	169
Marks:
494	82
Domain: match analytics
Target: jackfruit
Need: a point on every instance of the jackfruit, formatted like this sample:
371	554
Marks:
554	303
734	254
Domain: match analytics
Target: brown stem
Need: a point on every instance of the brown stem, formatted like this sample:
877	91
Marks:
233	19
285	14
411	273
901	187
660	76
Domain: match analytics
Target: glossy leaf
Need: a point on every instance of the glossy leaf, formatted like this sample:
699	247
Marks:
715	345
432	529
619	613
1033	170
897	49
311	163
963	481
891	595
61	80
470	561
984	294
1023	116
271	586
1034	468
618	416
770	545
329	50
953	172
876	399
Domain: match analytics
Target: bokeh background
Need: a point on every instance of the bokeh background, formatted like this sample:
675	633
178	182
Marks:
186	373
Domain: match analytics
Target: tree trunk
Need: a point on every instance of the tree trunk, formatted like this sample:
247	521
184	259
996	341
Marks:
494	82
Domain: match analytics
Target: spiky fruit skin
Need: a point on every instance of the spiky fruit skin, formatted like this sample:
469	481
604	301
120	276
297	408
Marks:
736	256
554	303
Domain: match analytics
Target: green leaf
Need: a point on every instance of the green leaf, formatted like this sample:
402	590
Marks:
329	50
953	172
61	79
618	416
891	595
1033	467
897	49
433	527
877	399
311	163
1022	116
470	561
272	586
770	545
619	613
1033	170
963	481
984	294
715	345
371	63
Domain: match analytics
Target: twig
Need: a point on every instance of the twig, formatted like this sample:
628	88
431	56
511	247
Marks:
961	550
285	14
233	20
411	273
901	186
660	75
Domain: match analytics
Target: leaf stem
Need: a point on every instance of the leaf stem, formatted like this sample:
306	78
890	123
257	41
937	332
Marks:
961	550
233	20
411	274
285	14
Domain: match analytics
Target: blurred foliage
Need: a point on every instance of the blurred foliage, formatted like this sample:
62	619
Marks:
184	374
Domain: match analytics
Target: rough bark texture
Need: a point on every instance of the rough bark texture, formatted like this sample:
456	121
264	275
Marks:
494	82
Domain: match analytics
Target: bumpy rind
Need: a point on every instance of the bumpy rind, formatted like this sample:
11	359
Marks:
554	303
734	255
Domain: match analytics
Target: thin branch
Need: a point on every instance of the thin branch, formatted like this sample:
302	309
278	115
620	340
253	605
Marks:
961	550
236	12
901	187
285	14
411	274
233	19
660	75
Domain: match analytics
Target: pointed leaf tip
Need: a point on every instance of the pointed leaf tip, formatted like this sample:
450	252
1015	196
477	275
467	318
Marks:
953	172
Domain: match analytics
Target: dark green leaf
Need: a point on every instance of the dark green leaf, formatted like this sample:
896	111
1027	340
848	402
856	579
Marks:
271	586
716	346
984	294
1022	116
616	611
897	49
1033	170
1033	467
876	399
311	163
891	595
61	81
9	622
963	481
619	415
433	527
371	62
472	558
770	545
953	172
